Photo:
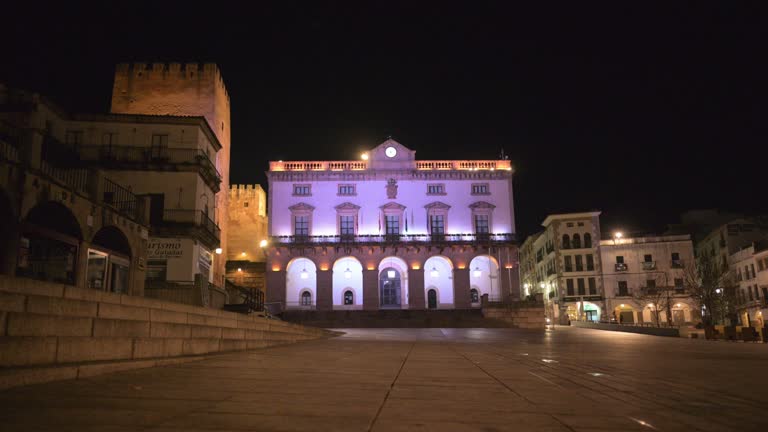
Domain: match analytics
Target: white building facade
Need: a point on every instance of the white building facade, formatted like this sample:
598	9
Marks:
390	232
645	275
584	278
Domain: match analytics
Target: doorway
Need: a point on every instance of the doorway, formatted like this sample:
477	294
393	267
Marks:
432	299
389	288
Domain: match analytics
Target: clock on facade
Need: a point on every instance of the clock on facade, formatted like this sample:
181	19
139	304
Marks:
390	151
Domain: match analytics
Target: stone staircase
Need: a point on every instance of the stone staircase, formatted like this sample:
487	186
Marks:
50	332
458	318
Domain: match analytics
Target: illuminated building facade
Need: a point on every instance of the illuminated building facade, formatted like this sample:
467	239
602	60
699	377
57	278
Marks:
390	232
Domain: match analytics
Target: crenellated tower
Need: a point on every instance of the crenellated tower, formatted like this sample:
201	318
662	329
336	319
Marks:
182	89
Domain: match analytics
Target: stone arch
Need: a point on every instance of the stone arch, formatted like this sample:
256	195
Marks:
682	313
397	264
300	277
576	241
112	239
9	234
438	275
109	261
625	313
484	276
56	217
347	275
49	244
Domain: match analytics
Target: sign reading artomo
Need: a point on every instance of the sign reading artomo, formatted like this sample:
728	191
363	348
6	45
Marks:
165	248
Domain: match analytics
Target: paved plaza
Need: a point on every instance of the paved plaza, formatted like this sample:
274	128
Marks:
423	380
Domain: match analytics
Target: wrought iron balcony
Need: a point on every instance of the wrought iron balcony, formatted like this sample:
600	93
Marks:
621	267
678	264
121	199
649	265
371	239
153	158
10	141
194	223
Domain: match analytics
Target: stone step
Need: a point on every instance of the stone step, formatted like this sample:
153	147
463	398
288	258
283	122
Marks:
60	330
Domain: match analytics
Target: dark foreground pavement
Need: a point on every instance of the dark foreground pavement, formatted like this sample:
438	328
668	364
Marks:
424	380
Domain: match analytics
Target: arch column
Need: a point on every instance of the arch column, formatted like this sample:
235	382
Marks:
510	284
276	286
461	287
416	289
324	290
81	266
370	289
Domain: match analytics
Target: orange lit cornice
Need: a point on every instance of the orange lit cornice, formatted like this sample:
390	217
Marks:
361	165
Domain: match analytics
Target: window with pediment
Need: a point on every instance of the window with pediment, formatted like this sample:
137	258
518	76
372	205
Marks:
301	219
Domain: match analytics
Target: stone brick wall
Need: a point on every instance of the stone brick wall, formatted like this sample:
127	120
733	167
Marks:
525	317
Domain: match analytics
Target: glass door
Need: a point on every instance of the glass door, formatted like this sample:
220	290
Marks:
97	270
118	269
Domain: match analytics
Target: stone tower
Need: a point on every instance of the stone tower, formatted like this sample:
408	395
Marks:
247	223
190	89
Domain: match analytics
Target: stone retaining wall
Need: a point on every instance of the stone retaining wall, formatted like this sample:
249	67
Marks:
525	317
654	331
45	324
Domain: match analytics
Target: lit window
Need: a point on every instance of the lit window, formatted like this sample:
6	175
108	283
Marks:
393	224
347	189
346	225
348	298
302	190
480	189
435	189
481	224
301	226
436	224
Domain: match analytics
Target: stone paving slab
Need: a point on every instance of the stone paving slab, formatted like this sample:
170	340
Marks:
423	380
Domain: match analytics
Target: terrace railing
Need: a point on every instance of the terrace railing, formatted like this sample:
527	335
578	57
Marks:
401	238
151	157
120	198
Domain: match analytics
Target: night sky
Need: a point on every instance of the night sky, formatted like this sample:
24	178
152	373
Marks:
641	112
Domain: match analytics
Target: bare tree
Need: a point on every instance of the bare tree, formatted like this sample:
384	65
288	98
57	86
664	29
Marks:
711	285
659	295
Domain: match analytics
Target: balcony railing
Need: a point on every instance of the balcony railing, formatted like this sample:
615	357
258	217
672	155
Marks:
649	265
10	141
151	158
76	178
621	267
123	200
677	264
396	238
437	165
181	219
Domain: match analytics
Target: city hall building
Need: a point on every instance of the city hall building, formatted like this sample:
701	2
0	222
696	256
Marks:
390	232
